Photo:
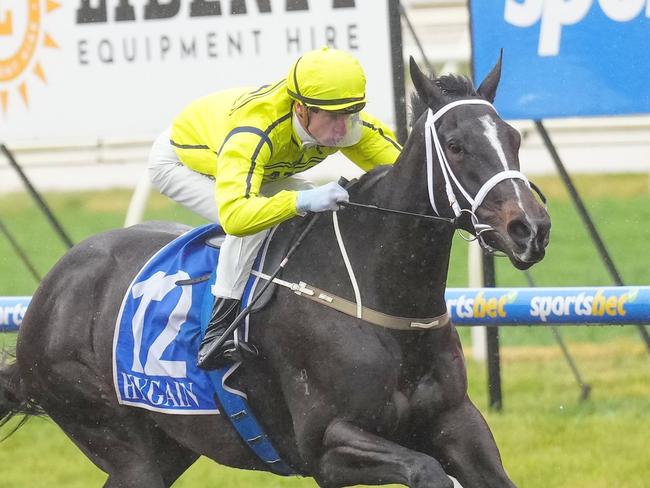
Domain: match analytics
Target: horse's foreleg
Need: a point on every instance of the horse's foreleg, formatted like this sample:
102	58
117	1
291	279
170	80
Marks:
463	443
352	456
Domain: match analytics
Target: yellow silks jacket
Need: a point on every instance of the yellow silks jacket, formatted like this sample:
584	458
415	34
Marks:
245	137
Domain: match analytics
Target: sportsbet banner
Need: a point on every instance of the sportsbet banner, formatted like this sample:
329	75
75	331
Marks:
498	306
565	58
79	70
509	306
12	311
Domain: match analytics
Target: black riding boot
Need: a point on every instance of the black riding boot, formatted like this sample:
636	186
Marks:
223	314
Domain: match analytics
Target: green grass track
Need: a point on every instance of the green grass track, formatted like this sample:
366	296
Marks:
548	438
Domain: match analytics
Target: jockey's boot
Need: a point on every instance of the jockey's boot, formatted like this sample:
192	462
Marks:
224	312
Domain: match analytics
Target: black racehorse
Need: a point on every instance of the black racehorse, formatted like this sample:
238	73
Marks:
345	402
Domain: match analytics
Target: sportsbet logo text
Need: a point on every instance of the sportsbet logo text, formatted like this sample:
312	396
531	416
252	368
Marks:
12	315
530	305
480	307
557	14
597	305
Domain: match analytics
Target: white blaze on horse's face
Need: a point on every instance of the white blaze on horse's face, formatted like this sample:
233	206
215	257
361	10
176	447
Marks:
520	224
492	136
480	157
527	253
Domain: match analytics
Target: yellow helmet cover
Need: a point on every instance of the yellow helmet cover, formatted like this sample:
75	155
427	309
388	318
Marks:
329	79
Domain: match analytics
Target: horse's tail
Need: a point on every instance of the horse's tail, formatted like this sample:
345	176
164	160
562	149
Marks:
13	400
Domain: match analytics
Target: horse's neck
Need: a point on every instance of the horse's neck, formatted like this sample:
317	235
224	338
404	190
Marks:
406	258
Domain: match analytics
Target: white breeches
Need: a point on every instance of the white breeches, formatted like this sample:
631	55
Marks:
196	192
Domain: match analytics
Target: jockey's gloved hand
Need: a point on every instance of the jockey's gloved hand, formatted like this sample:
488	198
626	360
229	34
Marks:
322	198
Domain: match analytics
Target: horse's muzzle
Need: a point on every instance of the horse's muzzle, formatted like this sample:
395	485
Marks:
529	238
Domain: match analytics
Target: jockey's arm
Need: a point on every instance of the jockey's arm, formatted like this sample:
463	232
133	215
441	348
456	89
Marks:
377	145
240	172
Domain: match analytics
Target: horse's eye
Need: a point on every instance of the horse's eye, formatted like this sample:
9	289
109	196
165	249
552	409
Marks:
455	148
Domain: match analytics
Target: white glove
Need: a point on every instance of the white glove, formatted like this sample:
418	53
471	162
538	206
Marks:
322	198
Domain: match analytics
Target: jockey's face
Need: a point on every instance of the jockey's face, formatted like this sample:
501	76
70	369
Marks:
330	129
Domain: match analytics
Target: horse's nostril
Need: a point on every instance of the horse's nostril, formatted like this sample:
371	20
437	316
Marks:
542	239
544	233
519	232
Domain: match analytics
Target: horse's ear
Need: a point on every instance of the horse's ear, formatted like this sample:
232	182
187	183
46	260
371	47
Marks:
488	88
423	85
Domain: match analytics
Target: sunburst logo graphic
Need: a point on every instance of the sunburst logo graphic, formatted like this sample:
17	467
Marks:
22	36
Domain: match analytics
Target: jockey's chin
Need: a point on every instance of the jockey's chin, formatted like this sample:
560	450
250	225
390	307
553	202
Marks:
331	140
340	140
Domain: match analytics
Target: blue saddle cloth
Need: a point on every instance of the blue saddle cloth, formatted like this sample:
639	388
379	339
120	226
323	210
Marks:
159	328
157	337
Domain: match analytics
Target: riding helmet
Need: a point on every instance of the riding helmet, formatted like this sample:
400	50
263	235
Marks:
328	79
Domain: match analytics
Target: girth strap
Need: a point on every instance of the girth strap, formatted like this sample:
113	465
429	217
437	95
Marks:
367	314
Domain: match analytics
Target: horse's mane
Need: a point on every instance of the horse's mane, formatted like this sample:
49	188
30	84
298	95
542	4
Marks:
452	87
367	180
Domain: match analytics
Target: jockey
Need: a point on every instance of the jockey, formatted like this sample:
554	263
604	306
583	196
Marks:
233	157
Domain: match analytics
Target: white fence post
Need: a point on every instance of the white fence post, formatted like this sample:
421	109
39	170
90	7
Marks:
138	200
475	278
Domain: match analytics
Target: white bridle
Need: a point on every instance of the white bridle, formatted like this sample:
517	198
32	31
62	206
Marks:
432	140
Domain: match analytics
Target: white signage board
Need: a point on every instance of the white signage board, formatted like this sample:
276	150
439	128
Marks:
92	70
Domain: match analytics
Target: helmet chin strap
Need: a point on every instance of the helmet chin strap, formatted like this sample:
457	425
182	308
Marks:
433	141
306	137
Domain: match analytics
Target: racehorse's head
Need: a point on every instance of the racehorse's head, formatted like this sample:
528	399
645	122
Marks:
473	166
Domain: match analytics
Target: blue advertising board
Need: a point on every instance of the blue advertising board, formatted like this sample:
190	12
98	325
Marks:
543	306
12	311
497	306
565	58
